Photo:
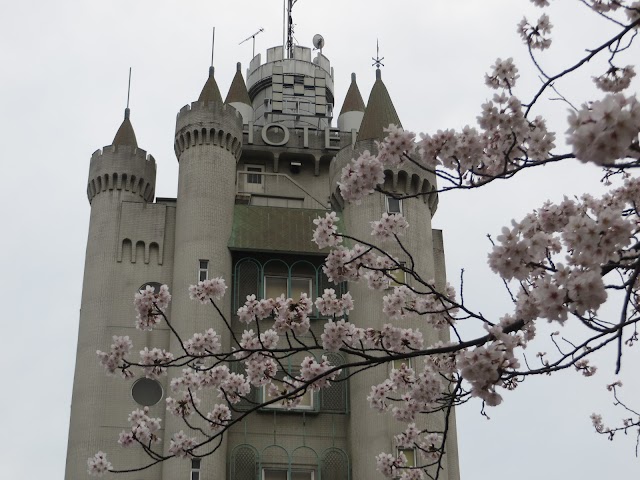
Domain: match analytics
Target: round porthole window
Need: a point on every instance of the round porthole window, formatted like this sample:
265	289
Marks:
146	392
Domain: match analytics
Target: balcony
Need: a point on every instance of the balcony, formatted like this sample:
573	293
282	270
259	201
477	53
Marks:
259	188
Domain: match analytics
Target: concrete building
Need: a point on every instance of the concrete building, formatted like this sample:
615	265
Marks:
254	171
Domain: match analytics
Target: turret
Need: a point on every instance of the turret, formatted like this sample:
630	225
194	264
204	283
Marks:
208	143
120	175
352	110
401	181
238	96
123	167
295	92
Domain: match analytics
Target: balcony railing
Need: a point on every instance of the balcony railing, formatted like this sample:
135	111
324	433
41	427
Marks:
275	190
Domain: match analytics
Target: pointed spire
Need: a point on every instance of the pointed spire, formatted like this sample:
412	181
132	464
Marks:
125	134
353	101
210	91
238	90
379	113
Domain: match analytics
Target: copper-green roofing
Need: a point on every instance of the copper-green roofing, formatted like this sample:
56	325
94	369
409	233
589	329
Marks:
353	101
275	229
238	90
379	114
210	92
125	134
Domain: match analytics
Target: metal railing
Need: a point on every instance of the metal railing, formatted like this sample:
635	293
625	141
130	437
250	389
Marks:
283	190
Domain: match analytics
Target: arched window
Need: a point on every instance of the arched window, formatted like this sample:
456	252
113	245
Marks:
335	399
244	463
334	465
275	276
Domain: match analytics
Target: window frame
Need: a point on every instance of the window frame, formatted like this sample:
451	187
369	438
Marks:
408	449
254	171
203	270
278	406
288	471
196	463
388	206
394	280
289	279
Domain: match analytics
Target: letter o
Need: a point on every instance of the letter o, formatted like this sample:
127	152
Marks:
265	137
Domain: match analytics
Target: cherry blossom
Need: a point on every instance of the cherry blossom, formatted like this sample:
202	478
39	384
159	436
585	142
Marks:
149	305
536	36
98	465
208	290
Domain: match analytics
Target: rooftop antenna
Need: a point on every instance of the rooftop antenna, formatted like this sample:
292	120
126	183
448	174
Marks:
213	43
254	40
126	110
377	62
289	44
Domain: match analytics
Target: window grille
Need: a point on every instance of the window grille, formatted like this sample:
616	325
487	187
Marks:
334	465
334	399
244	463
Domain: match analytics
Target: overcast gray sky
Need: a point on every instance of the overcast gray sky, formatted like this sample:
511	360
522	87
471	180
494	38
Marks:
62	95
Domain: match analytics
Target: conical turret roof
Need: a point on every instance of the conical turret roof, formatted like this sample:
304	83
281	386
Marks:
210	91
379	113
125	134
238	90
353	101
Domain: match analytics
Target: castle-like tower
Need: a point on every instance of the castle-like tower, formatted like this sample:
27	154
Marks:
254	171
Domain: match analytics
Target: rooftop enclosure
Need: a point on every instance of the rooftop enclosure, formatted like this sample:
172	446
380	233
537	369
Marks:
297	91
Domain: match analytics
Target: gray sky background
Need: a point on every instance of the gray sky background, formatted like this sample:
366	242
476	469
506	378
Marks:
62	95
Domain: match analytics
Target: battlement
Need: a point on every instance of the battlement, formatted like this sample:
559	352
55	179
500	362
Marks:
212	107
123	168
404	179
208	124
130	151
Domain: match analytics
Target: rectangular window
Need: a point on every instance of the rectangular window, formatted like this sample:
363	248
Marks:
394	205
276	286
396	364
302	475
399	276
255	173
203	270
274	474
306	402
195	468
410	454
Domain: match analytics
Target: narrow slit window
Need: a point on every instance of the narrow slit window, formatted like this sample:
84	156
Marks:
203	270
195	468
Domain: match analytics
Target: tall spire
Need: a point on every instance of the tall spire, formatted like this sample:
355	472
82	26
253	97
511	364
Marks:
210	92
238	90
125	134
353	101
379	113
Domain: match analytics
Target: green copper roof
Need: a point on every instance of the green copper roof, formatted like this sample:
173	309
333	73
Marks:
274	229
238	90
353	101
125	134
210	91
379	113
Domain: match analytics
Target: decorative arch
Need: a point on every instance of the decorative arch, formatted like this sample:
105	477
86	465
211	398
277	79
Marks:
244	463
334	465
